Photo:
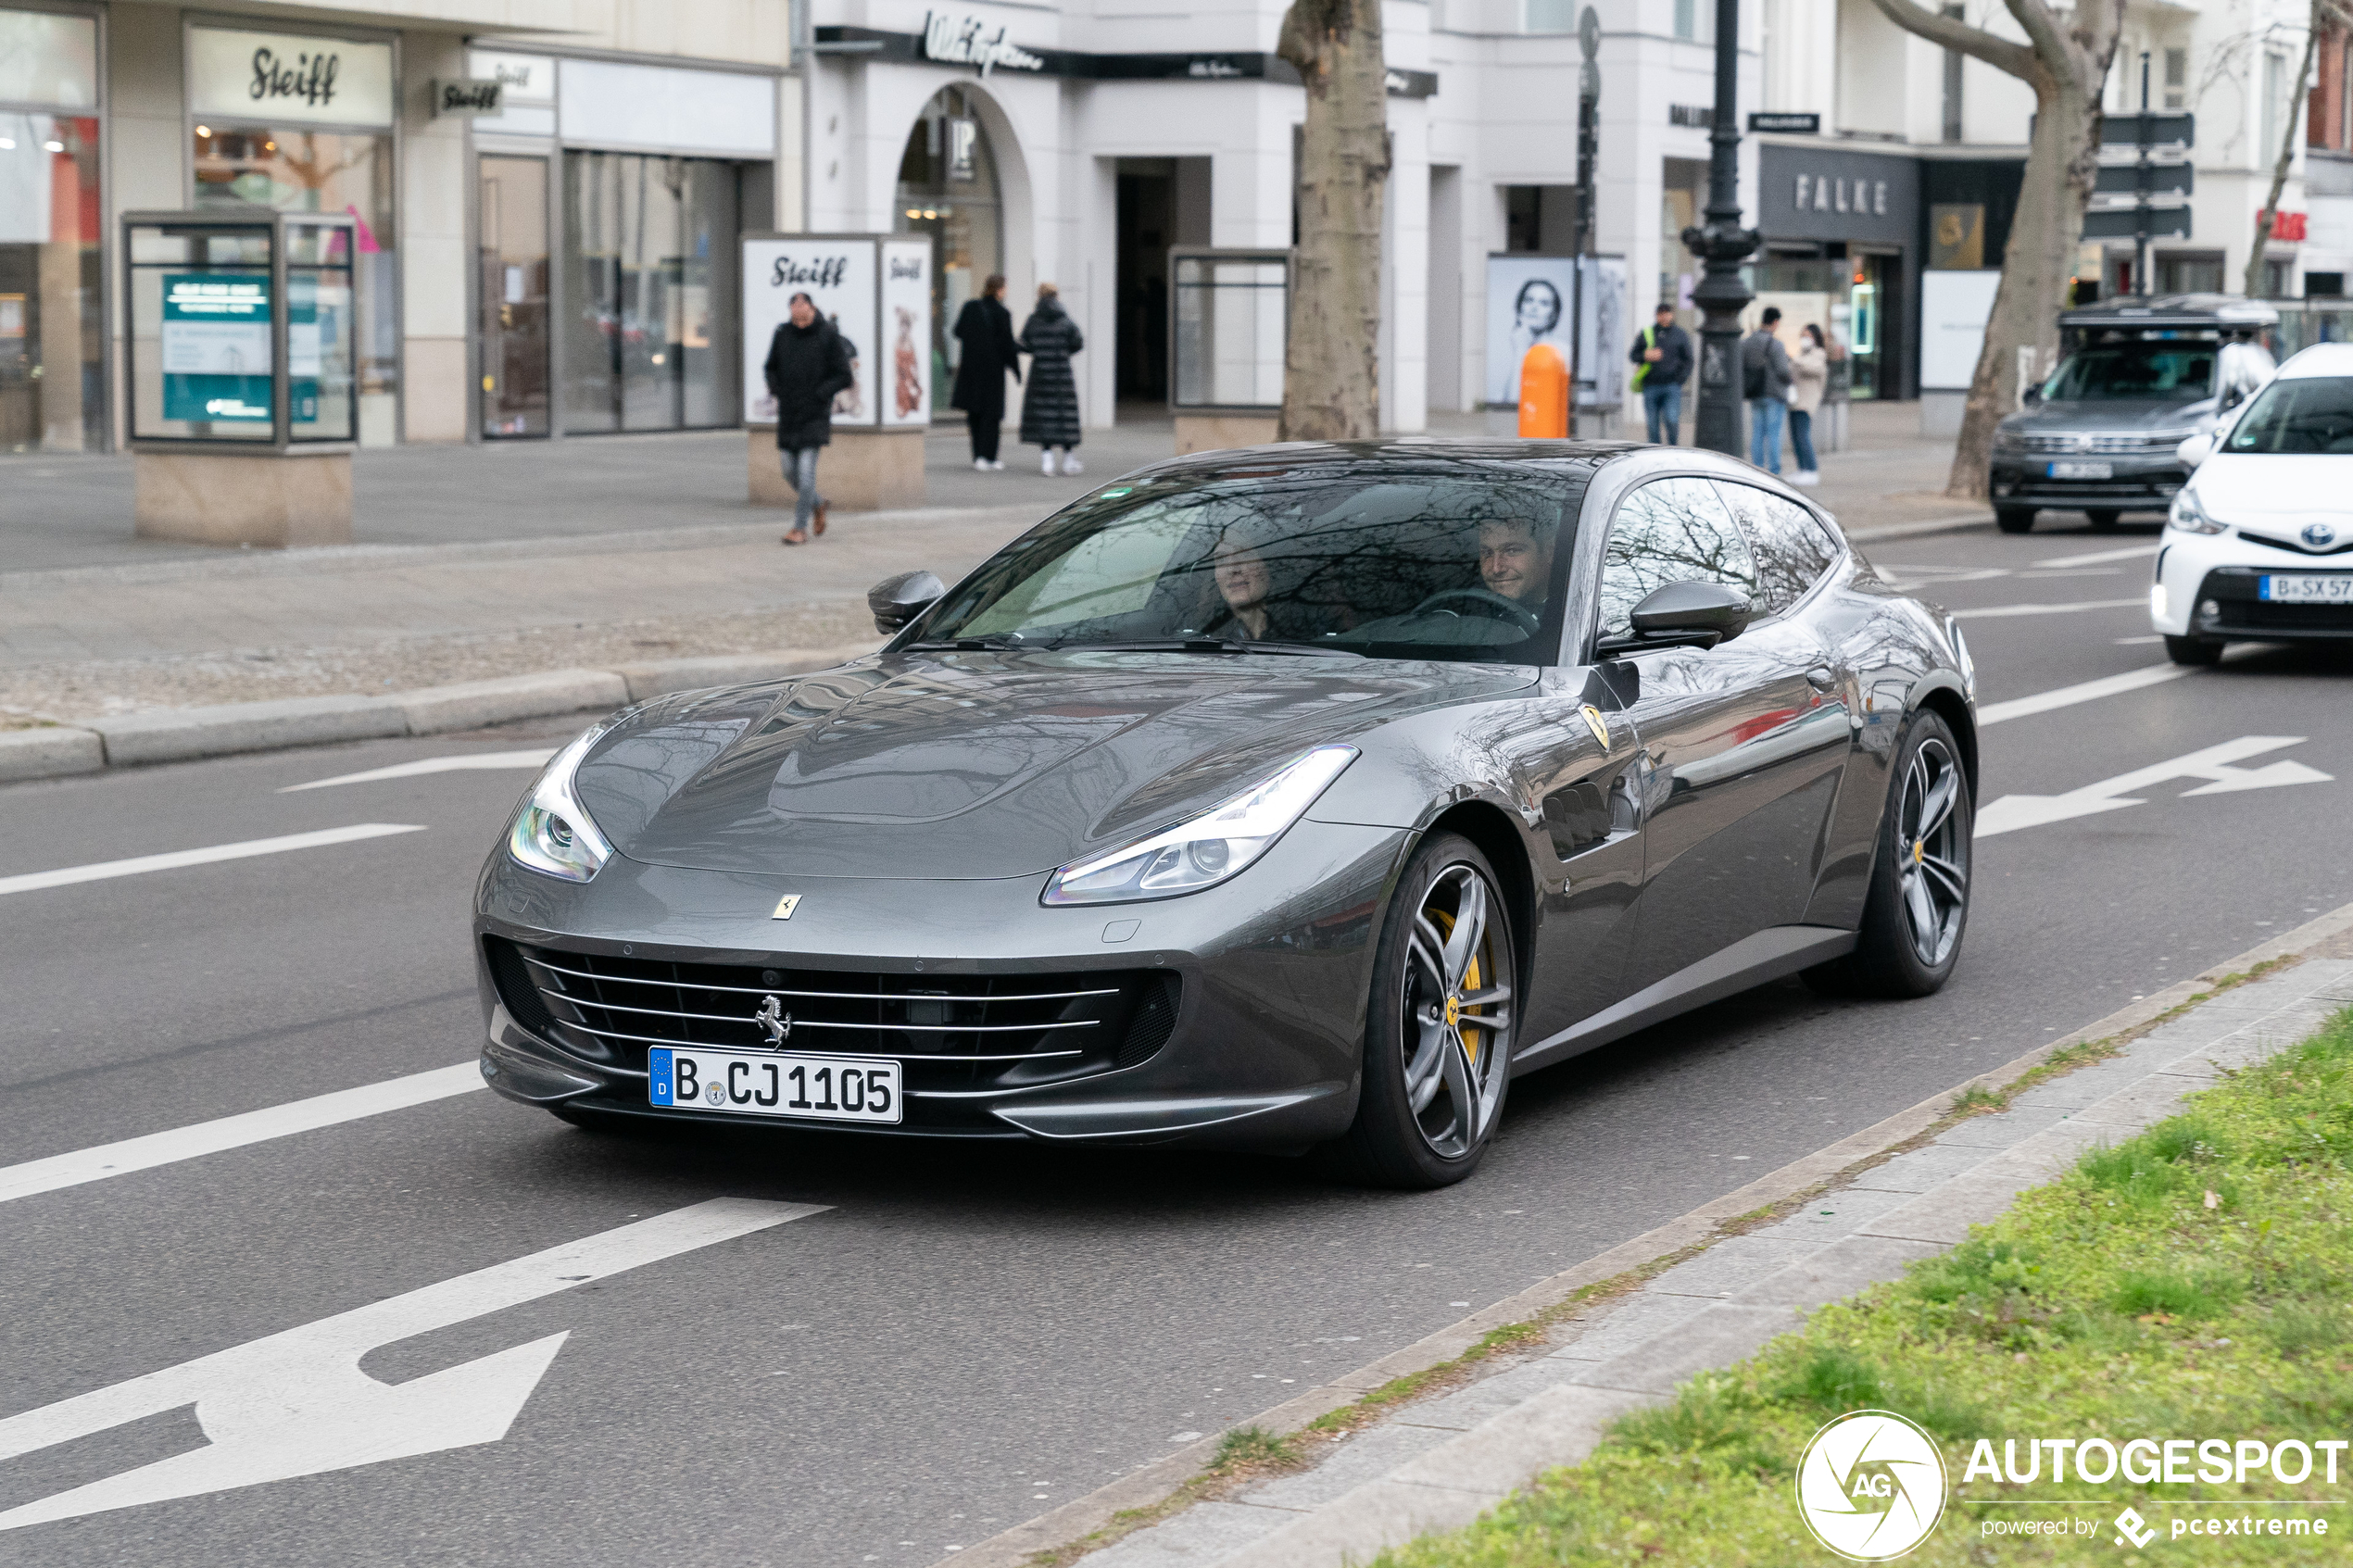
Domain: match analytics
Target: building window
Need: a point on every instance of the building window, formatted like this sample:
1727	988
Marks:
2193	272
650	270
947	189
2277	273
1953	84
2323	286
50	356
1552	15
2275	100
1540	220
2177	78
1687	18
2345	97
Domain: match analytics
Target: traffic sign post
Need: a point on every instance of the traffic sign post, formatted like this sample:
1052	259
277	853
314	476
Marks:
1588	99
2145	180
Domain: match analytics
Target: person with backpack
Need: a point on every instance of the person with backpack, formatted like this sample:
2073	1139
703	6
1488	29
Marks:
1662	355
808	363
1766	380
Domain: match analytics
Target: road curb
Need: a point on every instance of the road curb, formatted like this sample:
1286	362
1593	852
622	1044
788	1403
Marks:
1149	1486
181	734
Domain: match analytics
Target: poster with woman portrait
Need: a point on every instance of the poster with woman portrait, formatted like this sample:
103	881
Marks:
1528	303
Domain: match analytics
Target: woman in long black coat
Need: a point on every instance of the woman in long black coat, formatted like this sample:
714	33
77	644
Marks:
1049	403
985	328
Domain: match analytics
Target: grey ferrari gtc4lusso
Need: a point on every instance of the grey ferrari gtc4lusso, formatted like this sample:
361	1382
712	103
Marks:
1285	798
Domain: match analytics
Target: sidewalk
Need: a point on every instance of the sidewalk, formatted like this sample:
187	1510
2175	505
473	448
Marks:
1443	1461
513	558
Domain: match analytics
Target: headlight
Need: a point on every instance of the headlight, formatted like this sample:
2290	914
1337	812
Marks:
553	833
2008	440
2188	516
1206	849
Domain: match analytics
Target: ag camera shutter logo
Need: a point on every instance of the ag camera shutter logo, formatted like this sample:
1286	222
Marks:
1870	1485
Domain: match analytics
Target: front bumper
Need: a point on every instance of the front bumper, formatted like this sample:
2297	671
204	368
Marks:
2135	484
2208	585
1273	974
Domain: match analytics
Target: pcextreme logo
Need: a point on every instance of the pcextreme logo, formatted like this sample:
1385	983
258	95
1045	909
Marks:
1870	1485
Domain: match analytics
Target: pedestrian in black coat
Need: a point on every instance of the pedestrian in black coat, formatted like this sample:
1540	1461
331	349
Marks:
808	363
985	328
1049	403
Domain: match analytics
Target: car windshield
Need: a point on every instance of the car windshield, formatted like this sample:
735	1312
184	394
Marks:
2165	369
1403	560
2301	414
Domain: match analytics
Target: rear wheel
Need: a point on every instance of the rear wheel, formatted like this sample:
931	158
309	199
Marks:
1918	900
1439	1033
2103	517
2200	651
2014	520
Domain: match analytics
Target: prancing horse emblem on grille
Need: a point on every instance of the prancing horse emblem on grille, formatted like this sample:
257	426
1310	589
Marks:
773	1021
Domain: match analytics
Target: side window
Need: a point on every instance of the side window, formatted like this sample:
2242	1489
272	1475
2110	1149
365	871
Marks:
1791	547
1670	530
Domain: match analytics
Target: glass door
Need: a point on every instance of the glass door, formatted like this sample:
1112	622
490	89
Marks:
1867	320
515	297
649	277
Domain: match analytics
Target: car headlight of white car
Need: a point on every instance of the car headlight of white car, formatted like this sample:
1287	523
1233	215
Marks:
553	833
1204	850
2188	516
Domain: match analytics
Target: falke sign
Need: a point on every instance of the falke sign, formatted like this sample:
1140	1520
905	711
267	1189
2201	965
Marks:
280	78
966	41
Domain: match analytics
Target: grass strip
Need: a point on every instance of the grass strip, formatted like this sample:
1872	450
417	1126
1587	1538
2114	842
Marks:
2192	1281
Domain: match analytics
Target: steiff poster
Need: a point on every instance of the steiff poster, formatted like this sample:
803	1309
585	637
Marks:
906	331
838	273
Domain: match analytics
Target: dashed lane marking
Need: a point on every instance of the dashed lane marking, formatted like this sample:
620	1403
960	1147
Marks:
1994	612
535	758
2085	691
144	1153
2101	557
141	864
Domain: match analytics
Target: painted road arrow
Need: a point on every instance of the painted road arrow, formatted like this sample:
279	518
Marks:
297	1404
2214	764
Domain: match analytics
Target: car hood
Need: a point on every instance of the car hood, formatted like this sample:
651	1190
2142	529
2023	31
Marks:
980	765
2122	417
2276	492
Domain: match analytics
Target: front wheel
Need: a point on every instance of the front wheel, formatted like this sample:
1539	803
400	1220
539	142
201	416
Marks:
1438	1034
2199	652
1919	899
2014	520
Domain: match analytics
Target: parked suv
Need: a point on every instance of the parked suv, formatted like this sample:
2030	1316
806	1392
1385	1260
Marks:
2137	376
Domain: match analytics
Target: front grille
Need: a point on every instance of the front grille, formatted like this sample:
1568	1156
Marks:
2121	442
2298	545
953	1032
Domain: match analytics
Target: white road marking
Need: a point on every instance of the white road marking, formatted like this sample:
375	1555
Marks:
2086	691
140	865
535	758
2139	642
1994	612
201	1138
2214	764
2100	558
296	1403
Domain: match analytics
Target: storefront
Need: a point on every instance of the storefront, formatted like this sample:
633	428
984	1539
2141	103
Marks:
51	341
1841	233
610	194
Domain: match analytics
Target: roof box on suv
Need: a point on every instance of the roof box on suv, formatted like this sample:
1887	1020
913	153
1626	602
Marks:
2222	312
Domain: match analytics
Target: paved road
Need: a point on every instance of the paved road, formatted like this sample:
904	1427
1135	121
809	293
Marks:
962	1337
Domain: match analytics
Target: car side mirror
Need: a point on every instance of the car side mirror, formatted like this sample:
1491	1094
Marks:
896	601
1684	614
2033	393
2193	450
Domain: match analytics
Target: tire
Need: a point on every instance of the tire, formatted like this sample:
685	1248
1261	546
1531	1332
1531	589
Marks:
2201	652
2103	517
1461	1075
1917	906
2014	520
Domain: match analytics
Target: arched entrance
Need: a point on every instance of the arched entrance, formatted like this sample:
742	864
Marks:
947	189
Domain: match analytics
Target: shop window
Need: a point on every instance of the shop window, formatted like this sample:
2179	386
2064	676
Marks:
649	278
50	352
948	189
2278	277
2323	286
297	169
2196	273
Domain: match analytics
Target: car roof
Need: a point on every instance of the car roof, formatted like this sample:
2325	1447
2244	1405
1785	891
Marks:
2320	359
2172	310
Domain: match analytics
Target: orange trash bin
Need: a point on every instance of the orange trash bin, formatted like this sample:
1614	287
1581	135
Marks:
1544	393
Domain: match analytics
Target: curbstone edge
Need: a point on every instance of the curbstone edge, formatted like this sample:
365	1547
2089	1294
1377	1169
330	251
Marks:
49	752
665	676
471	705
181	733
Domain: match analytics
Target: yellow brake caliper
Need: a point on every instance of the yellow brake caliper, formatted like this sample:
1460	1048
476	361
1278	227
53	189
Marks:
1455	1014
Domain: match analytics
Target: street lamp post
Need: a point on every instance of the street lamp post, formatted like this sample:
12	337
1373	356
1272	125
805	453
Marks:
1722	245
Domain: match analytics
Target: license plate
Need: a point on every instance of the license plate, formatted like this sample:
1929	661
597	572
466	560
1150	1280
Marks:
2309	588
822	1088
2083	471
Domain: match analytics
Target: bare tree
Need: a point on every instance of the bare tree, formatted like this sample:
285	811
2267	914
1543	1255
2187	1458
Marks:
2325	14
2065	60
1332	371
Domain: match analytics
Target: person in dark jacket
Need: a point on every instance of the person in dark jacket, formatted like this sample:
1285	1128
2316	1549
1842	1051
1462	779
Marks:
1049	403
1766	380
985	328
1663	350
808	363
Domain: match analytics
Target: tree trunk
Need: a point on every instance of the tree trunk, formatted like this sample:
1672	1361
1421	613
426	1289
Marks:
1331	368
2061	164
2252	285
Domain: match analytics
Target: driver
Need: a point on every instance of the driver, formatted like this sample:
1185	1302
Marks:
1515	560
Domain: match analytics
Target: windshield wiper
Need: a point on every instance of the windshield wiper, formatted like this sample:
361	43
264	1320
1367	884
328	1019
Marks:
1207	645
997	642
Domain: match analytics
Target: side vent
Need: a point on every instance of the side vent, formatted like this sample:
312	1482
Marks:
1154	1021
511	978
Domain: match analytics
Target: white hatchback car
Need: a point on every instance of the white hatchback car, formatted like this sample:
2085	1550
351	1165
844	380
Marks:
2259	545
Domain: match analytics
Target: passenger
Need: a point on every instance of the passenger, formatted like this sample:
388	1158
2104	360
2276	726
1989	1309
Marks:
1515	560
1244	584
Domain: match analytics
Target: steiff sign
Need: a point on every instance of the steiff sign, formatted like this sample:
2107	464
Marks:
468	99
966	41
278	79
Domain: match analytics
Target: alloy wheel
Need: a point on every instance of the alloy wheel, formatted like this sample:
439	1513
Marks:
1456	1013
1933	864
